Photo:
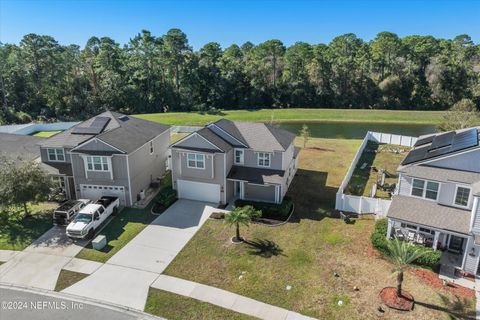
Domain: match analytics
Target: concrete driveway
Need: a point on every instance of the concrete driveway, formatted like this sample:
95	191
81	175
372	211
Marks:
127	276
40	263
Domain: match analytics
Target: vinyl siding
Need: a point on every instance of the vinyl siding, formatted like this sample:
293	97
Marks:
195	141
467	161
260	193
96	145
212	173
250	159
44	155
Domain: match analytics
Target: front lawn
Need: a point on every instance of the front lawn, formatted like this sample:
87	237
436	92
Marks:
17	232
68	278
306	252
375	158
297	114
176	307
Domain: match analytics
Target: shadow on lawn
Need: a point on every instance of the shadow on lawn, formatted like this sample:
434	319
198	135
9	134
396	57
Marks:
359	178
313	199
264	248
456	309
18	230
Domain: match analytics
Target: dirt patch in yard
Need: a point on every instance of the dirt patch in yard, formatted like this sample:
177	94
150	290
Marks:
431	278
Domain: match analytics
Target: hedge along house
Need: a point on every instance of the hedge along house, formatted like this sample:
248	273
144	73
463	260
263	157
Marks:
231	159
108	155
437	200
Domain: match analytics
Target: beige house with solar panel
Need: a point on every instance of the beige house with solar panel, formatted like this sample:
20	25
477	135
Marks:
108	155
437	198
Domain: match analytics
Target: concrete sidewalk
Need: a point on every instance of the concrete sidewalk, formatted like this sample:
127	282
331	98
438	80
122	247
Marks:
225	299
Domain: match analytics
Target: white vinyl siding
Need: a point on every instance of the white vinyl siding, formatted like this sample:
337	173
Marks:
425	189
196	160
263	159
95	163
462	196
57	154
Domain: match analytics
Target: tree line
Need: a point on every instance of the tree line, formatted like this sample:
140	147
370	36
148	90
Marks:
41	79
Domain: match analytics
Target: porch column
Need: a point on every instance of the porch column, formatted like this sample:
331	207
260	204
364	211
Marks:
389	228
242	190
277	194
435	240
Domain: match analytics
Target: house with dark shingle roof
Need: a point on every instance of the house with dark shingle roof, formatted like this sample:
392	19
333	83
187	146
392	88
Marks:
110	154
437	199
232	159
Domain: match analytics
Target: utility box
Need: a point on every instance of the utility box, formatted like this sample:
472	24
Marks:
99	242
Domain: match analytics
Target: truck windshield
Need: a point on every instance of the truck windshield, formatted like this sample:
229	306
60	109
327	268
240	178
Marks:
82	217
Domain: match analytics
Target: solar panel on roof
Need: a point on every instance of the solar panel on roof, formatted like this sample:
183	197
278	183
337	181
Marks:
96	127
423	141
442	140
100	122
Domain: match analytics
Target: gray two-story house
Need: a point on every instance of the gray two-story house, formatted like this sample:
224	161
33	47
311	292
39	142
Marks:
232	159
110	154
437	200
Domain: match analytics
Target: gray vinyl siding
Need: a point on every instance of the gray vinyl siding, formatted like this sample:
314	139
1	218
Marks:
288	157
250	159
96	145
260	193
44	155
467	162
146	167
405	187
195	141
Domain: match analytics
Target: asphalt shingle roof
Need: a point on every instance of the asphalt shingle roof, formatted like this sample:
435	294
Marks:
256	175
15	146
429	213
441	174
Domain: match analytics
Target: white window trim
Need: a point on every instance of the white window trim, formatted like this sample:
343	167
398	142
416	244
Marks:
242	156
196	167
455	196
56	155
269	159
424	192
107	162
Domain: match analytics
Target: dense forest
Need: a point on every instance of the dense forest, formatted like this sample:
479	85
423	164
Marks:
41	79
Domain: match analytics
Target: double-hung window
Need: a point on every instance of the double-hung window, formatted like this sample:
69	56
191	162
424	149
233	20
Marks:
56	154
425	189
239	156
462	196
263	159
95	163
196	160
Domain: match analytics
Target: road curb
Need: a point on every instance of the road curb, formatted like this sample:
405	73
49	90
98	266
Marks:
67	296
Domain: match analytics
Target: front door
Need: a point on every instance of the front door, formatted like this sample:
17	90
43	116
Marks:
237	188
456	244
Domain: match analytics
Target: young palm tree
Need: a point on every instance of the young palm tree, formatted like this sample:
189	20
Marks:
403	254
241	216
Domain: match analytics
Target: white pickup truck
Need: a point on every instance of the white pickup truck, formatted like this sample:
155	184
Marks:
91	217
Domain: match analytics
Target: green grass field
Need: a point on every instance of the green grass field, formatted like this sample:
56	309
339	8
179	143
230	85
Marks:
45	134
68	278
278	115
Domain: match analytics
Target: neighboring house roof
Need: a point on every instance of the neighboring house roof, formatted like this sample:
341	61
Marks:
429	213
440	174
16	146
442	144
256	175
122	132
57	168
212	137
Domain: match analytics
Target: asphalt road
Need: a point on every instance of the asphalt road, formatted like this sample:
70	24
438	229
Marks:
22	305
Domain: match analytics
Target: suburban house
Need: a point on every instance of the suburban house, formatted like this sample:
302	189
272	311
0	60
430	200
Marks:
437	199
19	147
231	159
110	154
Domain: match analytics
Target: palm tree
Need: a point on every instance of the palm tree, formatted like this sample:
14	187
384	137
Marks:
241	215
403	254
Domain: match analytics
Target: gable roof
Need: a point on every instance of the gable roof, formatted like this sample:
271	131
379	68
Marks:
442	144
15	146
122	132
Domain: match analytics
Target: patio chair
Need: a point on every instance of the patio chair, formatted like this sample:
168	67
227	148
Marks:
420	238
411	236
399	234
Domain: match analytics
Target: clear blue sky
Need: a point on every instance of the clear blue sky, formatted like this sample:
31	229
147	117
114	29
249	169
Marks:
227	22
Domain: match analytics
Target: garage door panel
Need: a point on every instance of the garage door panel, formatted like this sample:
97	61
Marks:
94	192
199	191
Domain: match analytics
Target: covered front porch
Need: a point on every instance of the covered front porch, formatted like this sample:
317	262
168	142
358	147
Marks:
245	190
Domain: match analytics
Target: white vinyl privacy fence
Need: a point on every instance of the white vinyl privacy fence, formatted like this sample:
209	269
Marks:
361	204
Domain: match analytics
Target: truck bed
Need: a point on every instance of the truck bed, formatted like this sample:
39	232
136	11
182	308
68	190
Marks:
106	201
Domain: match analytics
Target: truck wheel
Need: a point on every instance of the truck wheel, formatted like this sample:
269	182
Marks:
90	234
115	211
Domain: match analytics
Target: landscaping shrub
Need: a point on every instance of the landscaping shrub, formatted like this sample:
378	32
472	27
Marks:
218	215
165	198
430	258
269	210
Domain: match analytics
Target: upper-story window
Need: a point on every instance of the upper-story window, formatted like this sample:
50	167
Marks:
196	160
462	196
425	189
239	156
151	147
56	154
95	163
263	159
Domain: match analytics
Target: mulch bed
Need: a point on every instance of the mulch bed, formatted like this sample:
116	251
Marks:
431	278
404	302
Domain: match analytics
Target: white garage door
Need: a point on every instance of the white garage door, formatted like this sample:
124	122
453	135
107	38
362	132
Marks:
200	191
94	192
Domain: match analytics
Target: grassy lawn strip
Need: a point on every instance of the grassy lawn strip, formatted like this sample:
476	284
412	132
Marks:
305	253
381	156
297	114
173	306
68	278
46	134
17	232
